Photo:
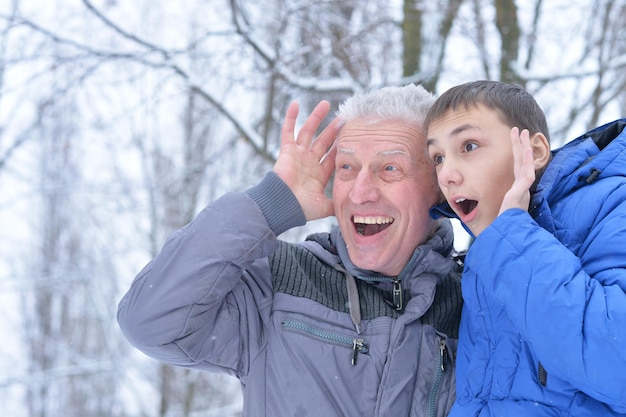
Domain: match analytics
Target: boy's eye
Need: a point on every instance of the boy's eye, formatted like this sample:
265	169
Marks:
469	146
437	159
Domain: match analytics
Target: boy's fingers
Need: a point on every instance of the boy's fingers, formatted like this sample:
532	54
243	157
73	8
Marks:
514	135
524	166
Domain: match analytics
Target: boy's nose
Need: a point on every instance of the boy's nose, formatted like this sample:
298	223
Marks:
448	174
364	189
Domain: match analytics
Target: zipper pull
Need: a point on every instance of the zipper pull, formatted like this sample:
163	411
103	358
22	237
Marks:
442	351
397	294
358	345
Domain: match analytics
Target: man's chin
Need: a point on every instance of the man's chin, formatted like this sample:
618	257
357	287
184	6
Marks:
372	261
365	259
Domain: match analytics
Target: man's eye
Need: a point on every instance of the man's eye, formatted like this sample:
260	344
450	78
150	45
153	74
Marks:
469	146
391	168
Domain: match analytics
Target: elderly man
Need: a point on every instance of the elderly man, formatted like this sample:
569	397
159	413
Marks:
361	321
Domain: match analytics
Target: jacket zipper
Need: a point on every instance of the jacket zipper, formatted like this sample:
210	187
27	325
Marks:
356	344
439	370
396	293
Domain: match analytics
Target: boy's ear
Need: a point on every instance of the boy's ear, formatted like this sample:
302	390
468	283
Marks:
541	150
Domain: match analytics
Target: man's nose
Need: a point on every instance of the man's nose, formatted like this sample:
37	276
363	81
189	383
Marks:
365	188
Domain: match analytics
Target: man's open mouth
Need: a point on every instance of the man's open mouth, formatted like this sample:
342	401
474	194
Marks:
465	205
368	226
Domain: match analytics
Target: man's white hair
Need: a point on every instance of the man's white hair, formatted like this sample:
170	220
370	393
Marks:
409	103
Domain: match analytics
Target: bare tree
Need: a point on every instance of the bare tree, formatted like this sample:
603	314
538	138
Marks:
509	30
135	115
67	330
606	45
415	43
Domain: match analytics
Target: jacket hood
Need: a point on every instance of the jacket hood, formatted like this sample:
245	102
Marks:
597	154
443	210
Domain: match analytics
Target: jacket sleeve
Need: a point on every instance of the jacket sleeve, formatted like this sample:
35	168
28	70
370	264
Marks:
570	309
203	300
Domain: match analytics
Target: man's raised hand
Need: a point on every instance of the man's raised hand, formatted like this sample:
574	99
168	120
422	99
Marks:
306	164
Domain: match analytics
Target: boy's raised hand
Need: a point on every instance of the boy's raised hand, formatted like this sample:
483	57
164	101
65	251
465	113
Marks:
305	164
518	195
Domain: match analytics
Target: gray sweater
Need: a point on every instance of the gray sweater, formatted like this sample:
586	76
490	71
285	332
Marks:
305	331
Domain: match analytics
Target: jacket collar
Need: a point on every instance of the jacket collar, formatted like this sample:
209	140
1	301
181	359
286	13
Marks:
427	258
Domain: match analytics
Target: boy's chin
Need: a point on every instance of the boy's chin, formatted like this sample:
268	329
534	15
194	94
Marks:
476	229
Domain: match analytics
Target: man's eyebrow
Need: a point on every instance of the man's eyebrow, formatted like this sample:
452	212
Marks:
393	152
347	151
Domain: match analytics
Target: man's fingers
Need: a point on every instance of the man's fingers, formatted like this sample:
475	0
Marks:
328	160
289	124
326	139
312	123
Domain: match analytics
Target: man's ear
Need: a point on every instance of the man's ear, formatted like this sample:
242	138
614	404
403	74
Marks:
541	150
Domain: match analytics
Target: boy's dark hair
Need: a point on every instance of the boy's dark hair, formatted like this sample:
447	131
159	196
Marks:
514	105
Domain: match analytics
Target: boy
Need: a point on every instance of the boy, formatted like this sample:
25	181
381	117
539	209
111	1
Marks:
543	330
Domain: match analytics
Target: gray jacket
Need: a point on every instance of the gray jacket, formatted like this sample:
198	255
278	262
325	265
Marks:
306	332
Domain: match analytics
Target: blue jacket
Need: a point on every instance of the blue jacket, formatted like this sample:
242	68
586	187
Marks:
543	330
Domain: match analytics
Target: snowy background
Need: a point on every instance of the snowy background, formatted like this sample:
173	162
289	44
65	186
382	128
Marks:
120	120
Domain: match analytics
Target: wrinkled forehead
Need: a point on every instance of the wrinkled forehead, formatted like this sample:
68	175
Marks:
380	132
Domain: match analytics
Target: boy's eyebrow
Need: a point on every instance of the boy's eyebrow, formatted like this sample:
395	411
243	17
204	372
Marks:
462	128
457	130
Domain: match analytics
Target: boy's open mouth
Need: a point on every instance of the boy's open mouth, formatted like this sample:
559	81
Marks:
368	226
466	205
